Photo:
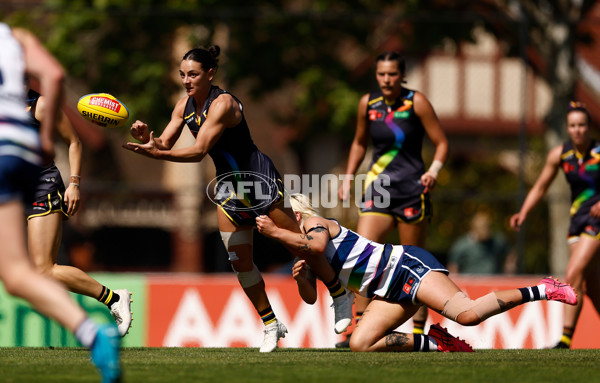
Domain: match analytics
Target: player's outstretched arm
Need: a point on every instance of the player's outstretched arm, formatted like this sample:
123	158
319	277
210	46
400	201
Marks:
540	187
313	242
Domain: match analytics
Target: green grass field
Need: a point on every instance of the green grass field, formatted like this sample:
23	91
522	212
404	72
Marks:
304	365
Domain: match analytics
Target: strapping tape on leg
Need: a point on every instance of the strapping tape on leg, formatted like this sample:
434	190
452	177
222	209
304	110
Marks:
457	305
484	307
249	278
487	306
234	238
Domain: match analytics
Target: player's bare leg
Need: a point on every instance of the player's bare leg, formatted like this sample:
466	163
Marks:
44	236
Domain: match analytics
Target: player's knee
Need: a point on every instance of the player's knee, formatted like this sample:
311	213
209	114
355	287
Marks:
462	309
475	312
468	318
361	340
14	283
44	268
249	278
10	286
457	305
358	345
242	265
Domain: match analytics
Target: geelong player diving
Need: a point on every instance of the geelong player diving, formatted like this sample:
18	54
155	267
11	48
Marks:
398	280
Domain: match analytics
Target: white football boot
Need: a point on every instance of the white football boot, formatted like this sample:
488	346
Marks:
121	311
273	332
342	307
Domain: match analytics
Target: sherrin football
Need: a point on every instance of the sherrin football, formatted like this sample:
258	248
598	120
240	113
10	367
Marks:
103	109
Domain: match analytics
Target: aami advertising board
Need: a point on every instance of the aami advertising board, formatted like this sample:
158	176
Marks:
193	310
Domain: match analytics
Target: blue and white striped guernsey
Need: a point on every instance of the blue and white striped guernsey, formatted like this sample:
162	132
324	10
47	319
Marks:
372	269
17	135
364	266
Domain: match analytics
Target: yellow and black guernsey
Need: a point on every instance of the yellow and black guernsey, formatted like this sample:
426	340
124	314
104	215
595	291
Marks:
247	183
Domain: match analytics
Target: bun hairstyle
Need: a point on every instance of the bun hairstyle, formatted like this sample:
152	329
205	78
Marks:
580	107
206	57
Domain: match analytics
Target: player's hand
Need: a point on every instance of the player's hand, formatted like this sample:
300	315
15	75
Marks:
266	226
72	198
140	131
516	221
428	181
300	270
344	190
148	149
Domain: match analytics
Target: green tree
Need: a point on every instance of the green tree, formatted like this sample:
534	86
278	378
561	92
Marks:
324	48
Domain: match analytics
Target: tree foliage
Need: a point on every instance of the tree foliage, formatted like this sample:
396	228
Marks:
325	48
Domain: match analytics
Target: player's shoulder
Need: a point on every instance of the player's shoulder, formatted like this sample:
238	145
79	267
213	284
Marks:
227	108
555	155
225	100
180	106
419	98
22	35
557	150
316	222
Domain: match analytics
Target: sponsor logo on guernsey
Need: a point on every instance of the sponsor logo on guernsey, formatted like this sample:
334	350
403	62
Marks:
410	212
375	115
106	103
408	285
567	167
376	101
403	114
39	206
189	118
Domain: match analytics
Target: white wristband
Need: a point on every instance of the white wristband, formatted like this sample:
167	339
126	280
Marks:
435	168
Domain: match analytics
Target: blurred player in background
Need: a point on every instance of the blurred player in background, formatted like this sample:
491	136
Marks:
215	118
396	119
23	150
482	250
579	158
397	280
51	206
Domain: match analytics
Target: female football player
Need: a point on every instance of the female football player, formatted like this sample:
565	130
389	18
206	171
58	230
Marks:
216	119
398	280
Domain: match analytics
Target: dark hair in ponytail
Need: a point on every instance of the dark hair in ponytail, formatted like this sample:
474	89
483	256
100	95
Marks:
206	57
